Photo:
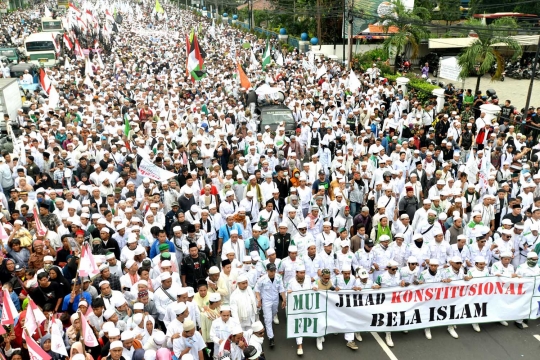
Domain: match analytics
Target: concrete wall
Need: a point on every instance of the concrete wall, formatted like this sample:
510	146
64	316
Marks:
338	51
361	48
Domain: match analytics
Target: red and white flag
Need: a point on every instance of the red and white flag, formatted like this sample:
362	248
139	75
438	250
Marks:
56	44
108	16
38	314
68	42
34	350
78	50
30	322
57	340
44	80
87	264
81	24
88	334
9	312
40	228
73	8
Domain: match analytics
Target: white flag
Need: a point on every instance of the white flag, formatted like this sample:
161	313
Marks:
279	59
253	60
212	30
100	62
354	83
54	98
57	340
471	167
321	71
88	82
311	58
47	12
88	71
89	337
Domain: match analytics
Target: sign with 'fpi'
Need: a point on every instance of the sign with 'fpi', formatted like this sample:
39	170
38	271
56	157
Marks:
481	300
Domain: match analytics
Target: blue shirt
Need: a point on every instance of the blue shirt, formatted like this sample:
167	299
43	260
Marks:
75	305
264	244
15	300
226	235
154	250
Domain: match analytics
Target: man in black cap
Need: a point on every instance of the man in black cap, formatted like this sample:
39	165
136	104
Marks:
194	267
252	353
321	181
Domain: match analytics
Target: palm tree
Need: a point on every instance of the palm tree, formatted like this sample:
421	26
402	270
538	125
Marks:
483	53
408	29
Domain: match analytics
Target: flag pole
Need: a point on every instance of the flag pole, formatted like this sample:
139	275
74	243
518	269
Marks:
81	335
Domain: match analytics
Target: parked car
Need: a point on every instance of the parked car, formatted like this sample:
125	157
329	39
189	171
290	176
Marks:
12	53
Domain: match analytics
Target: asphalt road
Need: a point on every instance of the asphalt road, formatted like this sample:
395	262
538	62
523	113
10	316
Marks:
494	342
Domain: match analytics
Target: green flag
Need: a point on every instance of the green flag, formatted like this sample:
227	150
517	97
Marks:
127	127
204	109
266	56
158	8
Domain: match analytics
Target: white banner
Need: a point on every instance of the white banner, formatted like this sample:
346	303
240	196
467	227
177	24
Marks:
482	300
450	69
147	169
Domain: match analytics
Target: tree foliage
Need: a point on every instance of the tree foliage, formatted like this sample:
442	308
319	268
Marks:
483	54
449	10
411	29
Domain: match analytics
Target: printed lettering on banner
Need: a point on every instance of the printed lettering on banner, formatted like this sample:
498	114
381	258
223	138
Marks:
306	314
490	299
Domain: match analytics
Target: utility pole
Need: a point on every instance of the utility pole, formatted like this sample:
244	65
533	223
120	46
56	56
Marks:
252	15
350	18
534	64
319	34
249	14
343	29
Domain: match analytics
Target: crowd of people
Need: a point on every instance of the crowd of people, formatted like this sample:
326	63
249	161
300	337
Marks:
374	189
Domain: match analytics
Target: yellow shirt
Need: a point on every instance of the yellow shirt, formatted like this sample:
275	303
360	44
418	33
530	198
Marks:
320	286
201	301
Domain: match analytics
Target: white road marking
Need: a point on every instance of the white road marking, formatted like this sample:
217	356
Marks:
537	337
387	350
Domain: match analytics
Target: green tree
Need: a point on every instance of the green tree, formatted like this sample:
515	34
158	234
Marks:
448	11
410	29
483	53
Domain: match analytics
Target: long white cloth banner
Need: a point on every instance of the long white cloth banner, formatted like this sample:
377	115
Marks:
147	169
491	299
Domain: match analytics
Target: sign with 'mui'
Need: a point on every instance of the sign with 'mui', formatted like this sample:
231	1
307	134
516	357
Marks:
491	299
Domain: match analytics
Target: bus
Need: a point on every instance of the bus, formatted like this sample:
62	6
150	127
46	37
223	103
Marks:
49	24
42	48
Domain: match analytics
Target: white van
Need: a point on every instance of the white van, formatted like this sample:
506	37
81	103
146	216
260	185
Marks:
42	48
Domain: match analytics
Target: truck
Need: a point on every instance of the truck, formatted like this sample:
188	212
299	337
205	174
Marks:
10	102
272	112
273	116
